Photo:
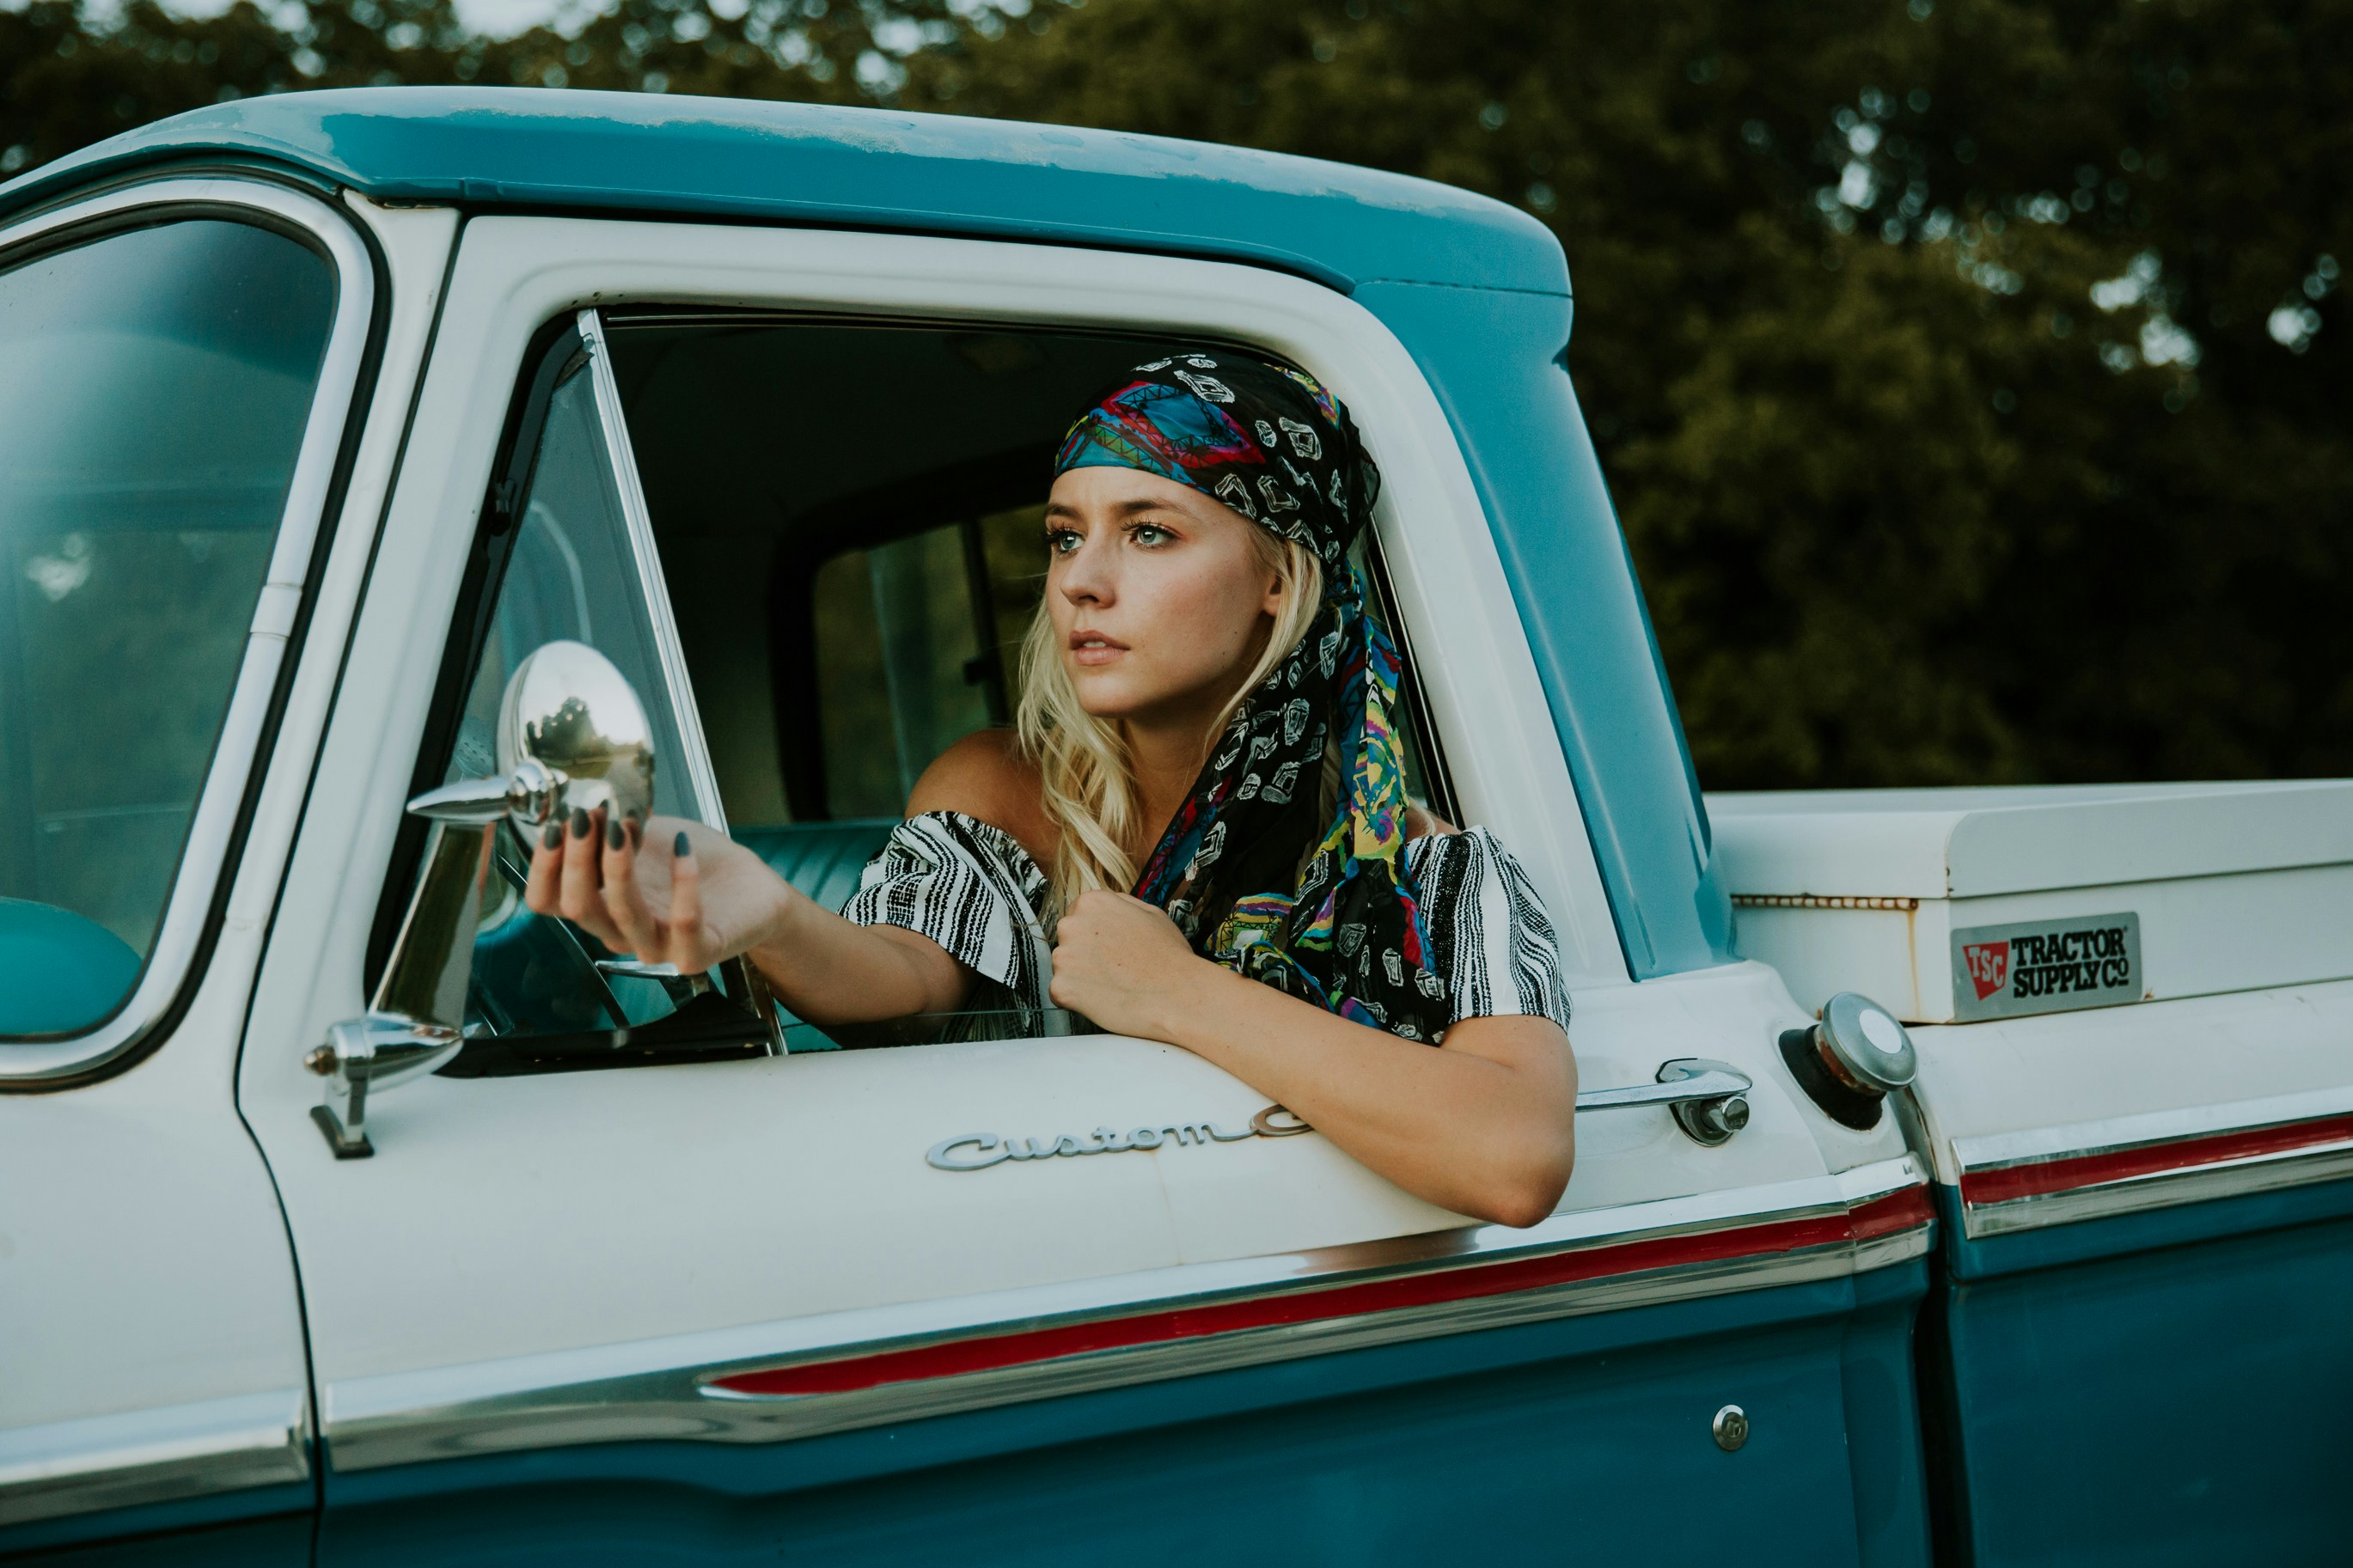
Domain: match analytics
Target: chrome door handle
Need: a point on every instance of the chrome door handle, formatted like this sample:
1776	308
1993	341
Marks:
1709	1101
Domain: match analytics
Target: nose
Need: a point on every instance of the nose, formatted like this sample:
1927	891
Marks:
1085	575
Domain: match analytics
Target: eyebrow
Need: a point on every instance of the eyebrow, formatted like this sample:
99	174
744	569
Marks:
1120	508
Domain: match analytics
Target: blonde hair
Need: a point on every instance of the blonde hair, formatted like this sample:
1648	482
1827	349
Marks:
1082	761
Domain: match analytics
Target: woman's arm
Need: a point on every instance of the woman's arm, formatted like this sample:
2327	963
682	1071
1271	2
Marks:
1481	1124
677	892
636	893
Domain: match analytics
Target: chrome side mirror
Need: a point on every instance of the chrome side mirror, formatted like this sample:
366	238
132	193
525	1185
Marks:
572	735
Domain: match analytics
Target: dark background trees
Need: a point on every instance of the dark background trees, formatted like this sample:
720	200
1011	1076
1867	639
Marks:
1967	373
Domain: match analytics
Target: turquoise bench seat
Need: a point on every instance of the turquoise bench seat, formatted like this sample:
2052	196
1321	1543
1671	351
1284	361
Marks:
821	858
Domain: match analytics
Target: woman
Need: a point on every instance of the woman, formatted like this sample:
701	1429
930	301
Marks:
1202	809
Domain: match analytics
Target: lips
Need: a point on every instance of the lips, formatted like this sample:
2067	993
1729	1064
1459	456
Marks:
1090	647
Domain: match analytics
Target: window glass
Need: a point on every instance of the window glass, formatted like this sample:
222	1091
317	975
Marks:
569	574
154	387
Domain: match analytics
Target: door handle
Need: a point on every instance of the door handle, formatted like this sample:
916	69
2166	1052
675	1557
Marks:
1709	1101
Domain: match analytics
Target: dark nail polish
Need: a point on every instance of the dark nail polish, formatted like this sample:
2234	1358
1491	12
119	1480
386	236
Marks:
579	823
681	849
553	836
614	836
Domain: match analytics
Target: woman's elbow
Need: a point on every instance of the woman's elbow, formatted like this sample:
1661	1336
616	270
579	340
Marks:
1528	1193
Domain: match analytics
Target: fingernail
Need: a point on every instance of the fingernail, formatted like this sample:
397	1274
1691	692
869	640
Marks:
579	823
553	836
681	847
615	835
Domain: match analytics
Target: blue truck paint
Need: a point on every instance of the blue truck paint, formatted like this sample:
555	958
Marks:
850	168
2181	1226
2165	1405
263	1526
1530	1438
1501	284
1497	360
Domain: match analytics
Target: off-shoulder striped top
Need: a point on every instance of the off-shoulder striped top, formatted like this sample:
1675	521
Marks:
971	887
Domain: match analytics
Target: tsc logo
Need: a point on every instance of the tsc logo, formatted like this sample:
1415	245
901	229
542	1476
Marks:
1988	964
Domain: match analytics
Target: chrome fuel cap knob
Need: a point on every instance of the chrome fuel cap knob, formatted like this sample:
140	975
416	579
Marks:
1862	1044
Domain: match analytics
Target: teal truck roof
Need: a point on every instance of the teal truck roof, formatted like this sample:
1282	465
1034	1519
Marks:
491	148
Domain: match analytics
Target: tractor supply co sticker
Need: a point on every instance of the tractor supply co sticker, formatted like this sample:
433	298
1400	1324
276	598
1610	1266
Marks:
2045	966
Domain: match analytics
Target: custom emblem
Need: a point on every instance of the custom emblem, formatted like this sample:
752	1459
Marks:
2046	966
979	1151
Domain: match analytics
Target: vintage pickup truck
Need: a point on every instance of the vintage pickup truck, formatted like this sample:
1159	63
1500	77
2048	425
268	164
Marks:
473	449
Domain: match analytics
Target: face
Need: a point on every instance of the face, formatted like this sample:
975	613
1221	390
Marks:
1161	597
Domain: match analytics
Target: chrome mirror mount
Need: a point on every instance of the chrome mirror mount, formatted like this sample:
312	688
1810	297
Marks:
572	736
416	1021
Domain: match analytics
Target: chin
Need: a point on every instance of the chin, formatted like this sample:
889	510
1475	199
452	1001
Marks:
1105	699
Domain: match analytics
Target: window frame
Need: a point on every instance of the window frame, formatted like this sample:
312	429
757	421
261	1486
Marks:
192	911
518	280
568	345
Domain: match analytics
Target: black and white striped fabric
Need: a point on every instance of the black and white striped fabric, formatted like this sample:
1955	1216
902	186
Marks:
974	890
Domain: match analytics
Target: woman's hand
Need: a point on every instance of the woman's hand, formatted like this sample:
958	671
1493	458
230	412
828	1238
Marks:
666	892
1123	963
1480	1124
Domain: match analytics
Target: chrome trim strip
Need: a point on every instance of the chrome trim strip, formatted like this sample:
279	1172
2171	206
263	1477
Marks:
2171	1189
203	863
2132	1165
661	1389
153	1456
702	778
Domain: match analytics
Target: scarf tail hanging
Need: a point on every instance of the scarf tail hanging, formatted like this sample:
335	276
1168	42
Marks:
1347	933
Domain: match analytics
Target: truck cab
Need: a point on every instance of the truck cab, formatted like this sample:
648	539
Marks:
1962	1175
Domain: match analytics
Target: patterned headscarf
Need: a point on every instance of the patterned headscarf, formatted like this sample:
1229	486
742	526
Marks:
1249	869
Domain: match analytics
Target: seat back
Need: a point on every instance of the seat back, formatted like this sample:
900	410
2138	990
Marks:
821	858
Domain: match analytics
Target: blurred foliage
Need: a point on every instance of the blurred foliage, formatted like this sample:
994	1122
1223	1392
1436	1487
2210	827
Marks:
1967	372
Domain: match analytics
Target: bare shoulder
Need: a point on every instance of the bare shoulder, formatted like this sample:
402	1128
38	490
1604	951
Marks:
984	775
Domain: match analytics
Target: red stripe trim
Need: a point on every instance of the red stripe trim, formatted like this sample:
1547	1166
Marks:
1472	1282
1902	1210
2014	1182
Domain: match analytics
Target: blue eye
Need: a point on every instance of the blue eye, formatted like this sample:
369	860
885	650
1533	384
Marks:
1149	535
1061	540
